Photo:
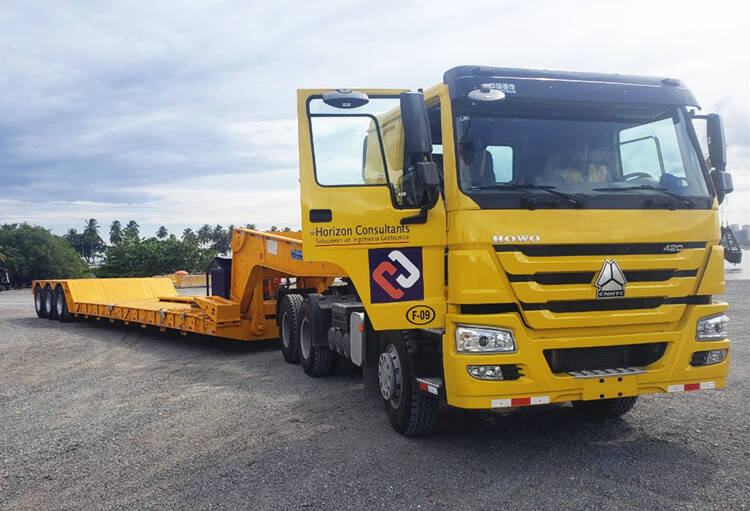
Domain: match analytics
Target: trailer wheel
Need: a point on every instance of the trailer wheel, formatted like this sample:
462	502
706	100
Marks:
607	408
316	360
49	302
61	306
289	315
411	412
39	302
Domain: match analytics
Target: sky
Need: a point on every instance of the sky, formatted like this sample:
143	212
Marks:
181	113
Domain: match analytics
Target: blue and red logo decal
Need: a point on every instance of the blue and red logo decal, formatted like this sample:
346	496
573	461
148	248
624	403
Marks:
396	274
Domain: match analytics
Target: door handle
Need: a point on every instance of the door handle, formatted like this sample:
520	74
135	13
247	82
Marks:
320	215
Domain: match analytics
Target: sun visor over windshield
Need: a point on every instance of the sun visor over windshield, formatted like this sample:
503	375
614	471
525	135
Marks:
569	86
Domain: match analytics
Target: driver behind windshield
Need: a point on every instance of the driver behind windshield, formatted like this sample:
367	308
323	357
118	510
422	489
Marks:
570	168
475	164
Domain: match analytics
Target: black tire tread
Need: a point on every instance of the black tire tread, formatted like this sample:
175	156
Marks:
321	360
607	408
292	304
66	316
421	416
52	313
41	313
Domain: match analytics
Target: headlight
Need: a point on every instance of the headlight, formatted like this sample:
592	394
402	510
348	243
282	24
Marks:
712	328
471	339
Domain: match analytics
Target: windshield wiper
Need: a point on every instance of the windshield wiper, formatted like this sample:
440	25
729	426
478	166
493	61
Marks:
520	186
685	200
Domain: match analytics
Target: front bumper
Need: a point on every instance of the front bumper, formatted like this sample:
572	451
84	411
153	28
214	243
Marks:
539	385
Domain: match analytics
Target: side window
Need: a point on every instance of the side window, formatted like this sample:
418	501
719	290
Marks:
653	150
348	144
502	162
641	156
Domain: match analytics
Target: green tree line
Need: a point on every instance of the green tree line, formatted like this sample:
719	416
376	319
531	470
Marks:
33	252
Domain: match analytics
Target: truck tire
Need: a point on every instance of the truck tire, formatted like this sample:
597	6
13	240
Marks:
49	302
315	360
61	306
410	411
607	408
289	316
39	302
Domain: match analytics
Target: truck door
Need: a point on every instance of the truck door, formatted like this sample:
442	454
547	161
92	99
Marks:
360	209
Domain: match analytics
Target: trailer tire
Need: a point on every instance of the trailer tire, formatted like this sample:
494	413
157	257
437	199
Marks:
61	306
289	316
39	302
607	408
410	411
49	302
316	361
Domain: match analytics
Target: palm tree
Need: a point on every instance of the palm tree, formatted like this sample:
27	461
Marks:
250	226
131	231
188	236
162	233
274	228
286	229
91	228
115	232
204	234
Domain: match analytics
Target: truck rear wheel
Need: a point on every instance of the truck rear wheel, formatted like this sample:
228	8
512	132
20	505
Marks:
61	306
316	360
39	302
607	408
289	315
410	411
49	302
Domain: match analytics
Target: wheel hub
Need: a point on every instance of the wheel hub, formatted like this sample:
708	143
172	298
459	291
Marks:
59	305
48	301
305	340
389	375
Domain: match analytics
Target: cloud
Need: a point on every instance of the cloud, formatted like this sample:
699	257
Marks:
111	109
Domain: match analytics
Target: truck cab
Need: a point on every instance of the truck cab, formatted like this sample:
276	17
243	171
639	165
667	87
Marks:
517	237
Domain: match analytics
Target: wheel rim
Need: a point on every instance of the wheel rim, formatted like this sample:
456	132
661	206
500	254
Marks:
305	340
285	330
38	300
59	304
48	300
390	376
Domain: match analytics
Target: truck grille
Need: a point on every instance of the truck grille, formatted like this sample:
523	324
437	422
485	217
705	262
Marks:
555	284
606	357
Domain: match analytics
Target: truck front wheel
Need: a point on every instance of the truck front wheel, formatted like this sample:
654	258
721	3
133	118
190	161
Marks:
607	408
410	411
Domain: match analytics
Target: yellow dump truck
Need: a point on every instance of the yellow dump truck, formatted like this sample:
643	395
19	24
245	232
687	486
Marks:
508	237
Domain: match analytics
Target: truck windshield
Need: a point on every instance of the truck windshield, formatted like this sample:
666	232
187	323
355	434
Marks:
621	154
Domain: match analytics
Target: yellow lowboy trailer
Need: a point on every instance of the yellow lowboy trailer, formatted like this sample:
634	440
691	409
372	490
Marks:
508	237
245	315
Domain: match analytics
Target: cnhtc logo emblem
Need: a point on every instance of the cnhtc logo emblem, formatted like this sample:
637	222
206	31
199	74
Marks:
610	283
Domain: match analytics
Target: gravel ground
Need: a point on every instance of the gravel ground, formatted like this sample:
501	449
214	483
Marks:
100	416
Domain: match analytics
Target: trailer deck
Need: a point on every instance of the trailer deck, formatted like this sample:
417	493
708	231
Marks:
247	313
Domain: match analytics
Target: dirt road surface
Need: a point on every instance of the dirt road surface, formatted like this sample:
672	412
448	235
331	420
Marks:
100	416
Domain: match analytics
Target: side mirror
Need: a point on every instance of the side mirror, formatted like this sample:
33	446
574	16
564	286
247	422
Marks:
722	183
717	149
421	179
345	98
417	138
